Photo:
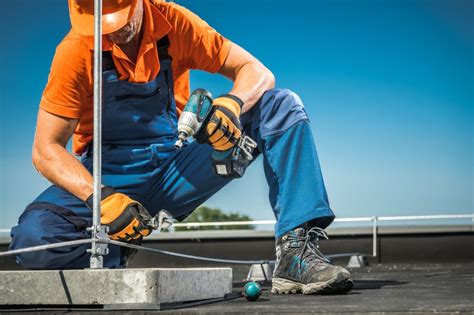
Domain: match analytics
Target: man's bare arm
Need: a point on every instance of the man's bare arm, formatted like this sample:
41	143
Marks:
53	161
251	78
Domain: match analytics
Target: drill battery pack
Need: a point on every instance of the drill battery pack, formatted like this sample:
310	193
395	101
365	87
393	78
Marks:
233	163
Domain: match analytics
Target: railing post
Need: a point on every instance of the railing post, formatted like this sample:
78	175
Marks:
97	249
374	236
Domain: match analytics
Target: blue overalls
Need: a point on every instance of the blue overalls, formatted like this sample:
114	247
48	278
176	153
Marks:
139	159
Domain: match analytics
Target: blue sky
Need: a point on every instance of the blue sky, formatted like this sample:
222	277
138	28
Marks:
388	86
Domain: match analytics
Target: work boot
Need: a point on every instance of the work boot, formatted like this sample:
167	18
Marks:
300	267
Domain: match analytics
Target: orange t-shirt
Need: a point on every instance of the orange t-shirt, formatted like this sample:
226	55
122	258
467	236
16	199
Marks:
193	45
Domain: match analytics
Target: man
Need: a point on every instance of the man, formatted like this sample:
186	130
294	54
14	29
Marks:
149	48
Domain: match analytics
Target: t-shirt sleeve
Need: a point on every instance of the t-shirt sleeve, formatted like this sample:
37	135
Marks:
69	82
197	45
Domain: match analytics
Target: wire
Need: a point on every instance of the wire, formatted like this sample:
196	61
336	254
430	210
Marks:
44	247
164	252
138	247
146	249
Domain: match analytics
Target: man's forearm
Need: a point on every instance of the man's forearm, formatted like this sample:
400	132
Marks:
62	169
252	80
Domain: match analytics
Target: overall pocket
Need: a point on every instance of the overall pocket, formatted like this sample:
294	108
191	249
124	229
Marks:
139	96
121	160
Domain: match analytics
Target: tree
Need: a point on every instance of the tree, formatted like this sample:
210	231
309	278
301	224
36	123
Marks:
206	214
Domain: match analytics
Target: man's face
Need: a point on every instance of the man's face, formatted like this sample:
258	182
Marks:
132	28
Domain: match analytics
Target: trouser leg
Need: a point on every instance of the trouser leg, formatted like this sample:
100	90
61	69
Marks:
185	182
50	219
280	126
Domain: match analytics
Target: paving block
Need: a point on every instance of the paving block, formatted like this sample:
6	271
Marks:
146	286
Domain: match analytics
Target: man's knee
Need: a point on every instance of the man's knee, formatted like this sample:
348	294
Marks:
41	227
279	110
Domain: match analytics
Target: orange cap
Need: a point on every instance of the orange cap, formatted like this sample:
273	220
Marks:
115	15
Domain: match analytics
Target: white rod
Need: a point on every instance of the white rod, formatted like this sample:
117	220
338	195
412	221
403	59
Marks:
96	259
355	219
359	219
198	224
427	217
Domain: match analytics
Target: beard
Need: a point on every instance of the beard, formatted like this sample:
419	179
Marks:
130	30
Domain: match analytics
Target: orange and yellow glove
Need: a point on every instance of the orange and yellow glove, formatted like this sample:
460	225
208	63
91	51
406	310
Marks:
224	129
126	218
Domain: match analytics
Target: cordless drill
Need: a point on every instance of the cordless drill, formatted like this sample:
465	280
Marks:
193	121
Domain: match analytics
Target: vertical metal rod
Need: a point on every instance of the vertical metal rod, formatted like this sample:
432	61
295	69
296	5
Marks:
96	260
374	236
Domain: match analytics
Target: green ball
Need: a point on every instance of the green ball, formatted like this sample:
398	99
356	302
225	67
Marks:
252	291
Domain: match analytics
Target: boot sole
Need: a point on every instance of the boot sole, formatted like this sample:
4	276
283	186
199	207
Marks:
333	286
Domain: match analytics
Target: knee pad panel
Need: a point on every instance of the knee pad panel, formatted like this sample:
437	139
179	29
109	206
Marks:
280	109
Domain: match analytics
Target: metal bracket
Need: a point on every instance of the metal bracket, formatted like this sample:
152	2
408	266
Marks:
358	261
247	145
99	247
261	272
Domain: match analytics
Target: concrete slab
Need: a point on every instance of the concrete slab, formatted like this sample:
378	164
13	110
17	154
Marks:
146	286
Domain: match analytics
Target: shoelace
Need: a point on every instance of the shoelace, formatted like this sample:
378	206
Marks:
311	245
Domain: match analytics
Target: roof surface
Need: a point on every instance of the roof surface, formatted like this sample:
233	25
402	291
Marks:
392	289
441	288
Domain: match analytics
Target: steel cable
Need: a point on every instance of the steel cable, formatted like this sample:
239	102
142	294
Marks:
164	252
133	246
147	249
44	247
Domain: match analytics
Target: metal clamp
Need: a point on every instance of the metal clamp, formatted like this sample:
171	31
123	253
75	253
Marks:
247	145
163	220
99	247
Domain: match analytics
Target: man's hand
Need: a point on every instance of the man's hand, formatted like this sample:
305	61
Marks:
224	128
126	218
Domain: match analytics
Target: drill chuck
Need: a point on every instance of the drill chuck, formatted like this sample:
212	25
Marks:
196	110
181	138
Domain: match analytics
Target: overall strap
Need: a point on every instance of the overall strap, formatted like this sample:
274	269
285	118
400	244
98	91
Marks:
107	61
162	46
165	60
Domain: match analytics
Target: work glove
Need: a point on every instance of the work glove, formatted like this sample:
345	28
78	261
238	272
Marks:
224	129
126	218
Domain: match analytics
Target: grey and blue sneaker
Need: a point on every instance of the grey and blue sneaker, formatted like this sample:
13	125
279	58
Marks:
300	267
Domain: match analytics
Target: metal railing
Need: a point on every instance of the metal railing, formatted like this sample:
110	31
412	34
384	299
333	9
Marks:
374	220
